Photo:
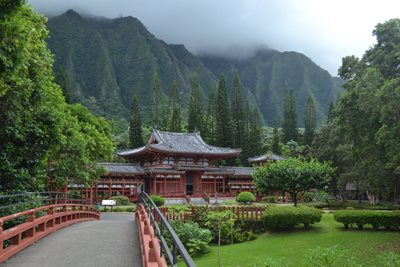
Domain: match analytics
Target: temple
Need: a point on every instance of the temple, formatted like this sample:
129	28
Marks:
174	165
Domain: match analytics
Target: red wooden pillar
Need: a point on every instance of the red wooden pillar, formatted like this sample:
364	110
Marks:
109	186
123	185
165	184
154	185
215	184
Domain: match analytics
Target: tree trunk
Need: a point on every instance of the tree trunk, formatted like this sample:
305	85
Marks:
294	196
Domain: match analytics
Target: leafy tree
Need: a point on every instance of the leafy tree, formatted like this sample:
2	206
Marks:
331	113
175	123
237	111
289	126
135	125
310	121
224	136
65	84
31	104
293	175
196	112
86	141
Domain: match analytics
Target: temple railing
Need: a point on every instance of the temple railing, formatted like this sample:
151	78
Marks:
21	229
152	226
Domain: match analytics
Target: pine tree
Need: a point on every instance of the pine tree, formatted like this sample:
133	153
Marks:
255	133
246	142
275	147
223	119
310	121
175	123
156	102
290	131
65	84
331	113
237	111
135	125
210	129
196	113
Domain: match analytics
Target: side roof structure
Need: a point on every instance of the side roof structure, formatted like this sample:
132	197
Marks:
179	143
266	157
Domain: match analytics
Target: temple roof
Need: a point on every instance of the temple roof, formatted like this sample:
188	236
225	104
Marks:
266	157
122	168
238	171
179	143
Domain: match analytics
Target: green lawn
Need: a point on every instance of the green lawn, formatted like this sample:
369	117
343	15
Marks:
293	247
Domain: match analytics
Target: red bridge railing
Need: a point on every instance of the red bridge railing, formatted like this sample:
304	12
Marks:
26	227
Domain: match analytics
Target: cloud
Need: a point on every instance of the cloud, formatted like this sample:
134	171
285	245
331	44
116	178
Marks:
325	31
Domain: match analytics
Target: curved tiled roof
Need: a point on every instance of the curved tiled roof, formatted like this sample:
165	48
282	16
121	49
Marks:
122	168
184	143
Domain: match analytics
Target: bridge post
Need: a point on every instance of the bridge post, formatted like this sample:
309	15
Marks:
1	237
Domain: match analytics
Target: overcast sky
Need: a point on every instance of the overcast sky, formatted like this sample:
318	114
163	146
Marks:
324	30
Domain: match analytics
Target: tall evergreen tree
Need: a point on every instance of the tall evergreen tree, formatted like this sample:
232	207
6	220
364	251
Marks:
223	120
156	101
65	84
331	113
175	123
275	147
196	112
290	131
237	111
135	125
210	133
310	121
255	133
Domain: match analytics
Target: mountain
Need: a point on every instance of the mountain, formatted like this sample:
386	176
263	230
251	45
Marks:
110	60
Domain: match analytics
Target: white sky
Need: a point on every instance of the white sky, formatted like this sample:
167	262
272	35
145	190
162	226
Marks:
324	30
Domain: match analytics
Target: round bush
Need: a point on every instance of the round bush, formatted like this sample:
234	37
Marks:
158	200
245	198
121	200
289	217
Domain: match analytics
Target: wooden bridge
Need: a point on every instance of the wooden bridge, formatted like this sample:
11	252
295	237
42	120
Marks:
90	239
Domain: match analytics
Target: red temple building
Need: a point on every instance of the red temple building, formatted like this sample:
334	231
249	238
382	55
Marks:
173	165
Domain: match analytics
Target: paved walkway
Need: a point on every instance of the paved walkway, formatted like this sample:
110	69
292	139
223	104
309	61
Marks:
111	241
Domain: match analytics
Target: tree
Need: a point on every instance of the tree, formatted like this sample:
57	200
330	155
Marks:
223	120
175	123
276	141
65	84
237	111
210	133
135	125
331	113
289	126
293	175
196	112
31	104
156	101
86	141
310	121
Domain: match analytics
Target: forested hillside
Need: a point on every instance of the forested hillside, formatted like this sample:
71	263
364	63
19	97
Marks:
110	60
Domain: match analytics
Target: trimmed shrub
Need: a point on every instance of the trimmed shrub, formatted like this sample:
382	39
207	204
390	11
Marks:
269	199
121	200
158	200
289	217
360	218
245	198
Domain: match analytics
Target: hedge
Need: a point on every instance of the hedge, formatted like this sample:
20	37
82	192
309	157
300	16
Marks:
289	217
158	200
360	218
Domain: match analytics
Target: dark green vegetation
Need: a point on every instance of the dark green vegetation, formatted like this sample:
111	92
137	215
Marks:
376	219
158	200
289	217
362	136
40	134
293	175
295	248
121	200
110	60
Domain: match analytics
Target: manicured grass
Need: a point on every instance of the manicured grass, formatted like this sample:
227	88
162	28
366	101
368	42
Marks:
293	247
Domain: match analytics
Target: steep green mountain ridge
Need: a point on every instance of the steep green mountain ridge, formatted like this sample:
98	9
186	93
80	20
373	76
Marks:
110	60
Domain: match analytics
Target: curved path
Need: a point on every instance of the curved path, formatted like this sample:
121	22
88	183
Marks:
111	241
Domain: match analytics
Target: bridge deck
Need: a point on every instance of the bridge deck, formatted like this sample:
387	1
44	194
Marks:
111	241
